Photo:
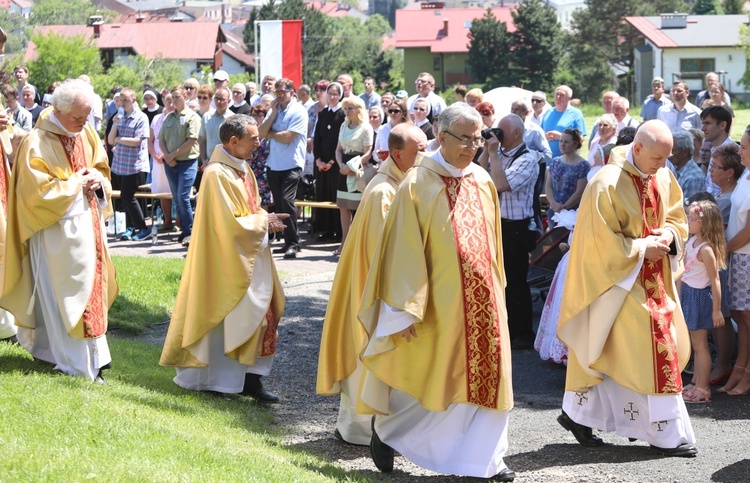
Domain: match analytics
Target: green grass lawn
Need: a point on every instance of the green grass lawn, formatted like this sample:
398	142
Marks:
139	426
148	287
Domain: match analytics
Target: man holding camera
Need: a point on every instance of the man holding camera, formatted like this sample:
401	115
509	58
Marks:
514	170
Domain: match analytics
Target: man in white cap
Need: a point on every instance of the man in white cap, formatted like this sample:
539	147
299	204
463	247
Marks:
221	79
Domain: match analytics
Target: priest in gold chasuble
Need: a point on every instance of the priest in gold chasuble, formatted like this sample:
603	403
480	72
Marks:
222	336
619	316
339	368
438	365
58	279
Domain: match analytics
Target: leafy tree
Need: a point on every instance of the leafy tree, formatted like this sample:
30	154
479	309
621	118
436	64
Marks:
601	25
17	32
489	51
707	7
584	71
134	70
60	57
67	12
733	7
537	44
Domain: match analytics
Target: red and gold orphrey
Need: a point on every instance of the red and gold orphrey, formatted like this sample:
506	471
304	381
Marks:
268	344
667	379
481	321
94	315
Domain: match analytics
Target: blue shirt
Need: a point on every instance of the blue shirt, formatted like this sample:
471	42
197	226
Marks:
554	120
286	156
650	107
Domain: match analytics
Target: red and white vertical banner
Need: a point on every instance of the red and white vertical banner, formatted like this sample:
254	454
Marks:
280	49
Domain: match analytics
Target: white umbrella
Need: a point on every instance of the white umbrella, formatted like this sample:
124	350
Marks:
502	97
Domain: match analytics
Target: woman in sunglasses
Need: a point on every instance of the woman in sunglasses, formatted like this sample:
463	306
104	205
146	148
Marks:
397	114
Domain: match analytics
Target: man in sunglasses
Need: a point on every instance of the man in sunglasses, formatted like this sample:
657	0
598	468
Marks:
438	354
285	127
425	85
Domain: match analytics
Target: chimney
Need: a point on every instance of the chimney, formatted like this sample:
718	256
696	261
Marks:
96	21
140	18
673	20
445	27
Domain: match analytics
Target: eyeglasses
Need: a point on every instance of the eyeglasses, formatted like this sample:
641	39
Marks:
394	111
203	98
238	93
375	117
467	142
221	99
604	124
678	91
420	81
537	101
189	88
281	91
422	109
716	166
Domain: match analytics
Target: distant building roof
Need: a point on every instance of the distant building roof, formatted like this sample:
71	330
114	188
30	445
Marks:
416	27
148	5
173	40
699	31
235	48
333	9
5	4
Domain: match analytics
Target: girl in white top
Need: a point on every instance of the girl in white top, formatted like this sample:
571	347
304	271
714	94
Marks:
700	291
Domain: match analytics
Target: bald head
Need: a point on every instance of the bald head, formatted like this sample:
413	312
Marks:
652	146
513	129
404	142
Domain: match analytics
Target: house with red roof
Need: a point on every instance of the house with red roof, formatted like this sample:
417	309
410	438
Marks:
686	47
436	40
192	45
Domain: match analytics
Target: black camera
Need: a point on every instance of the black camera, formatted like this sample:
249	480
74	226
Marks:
493	131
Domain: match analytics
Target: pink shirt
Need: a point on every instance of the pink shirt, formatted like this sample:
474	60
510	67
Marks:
695	274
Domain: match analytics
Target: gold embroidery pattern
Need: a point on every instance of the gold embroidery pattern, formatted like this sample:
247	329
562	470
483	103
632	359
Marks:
481	321
270	336
252	202
94	317
667	379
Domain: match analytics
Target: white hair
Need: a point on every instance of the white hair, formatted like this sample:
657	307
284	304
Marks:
71	92
240	85
459	111
566	89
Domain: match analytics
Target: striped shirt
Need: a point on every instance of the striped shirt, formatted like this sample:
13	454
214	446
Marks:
517	204
127	160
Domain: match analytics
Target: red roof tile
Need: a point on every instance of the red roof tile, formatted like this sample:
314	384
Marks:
424	28
651	32
174	40
332	9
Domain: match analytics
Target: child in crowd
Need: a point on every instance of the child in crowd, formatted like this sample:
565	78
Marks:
566	179
700	290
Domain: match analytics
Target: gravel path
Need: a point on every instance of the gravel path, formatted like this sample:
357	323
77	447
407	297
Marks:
540	451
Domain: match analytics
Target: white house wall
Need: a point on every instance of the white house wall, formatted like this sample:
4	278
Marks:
735	68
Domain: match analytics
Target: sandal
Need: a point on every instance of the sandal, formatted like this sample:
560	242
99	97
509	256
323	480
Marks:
697	395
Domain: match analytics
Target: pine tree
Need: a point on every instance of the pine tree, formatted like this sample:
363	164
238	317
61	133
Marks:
733	7
538	45
489	51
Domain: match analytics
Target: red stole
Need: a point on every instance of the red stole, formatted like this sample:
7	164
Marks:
481	321
268	344
94	317
667	378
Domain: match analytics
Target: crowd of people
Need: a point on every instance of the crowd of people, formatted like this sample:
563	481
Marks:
438	212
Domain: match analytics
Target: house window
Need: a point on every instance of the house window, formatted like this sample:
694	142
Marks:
696	68
436	63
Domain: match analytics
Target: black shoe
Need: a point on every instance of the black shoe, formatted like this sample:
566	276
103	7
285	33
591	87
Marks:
291	252
382	454
282	249
10	340
684	450
505	475
254	389
583	434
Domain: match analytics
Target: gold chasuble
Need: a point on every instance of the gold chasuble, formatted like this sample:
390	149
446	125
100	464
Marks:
44	187
228	232
343	336
6	148
440	260
634	334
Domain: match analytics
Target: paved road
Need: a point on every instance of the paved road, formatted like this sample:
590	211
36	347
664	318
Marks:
540	450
